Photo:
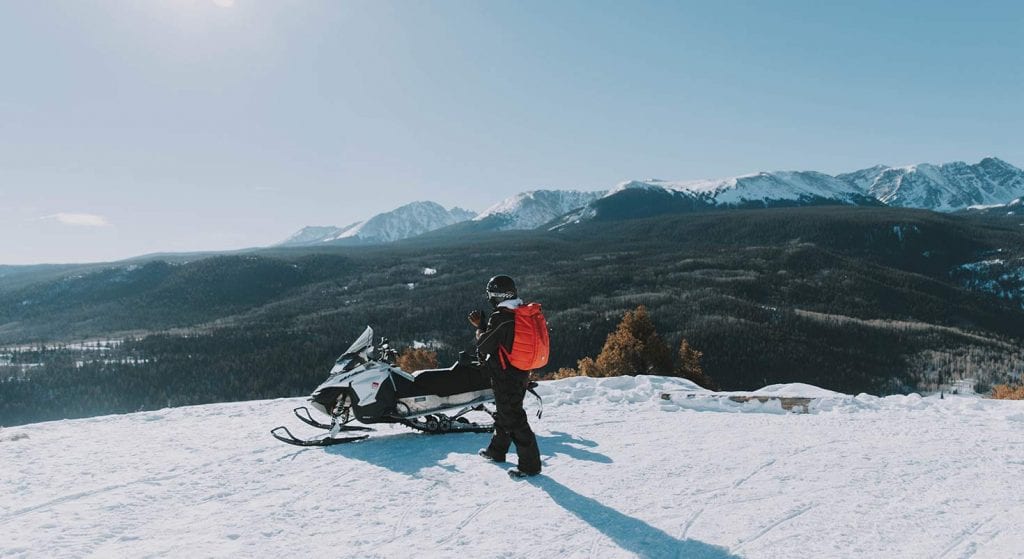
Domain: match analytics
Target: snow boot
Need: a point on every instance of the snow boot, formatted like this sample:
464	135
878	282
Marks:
516	473
488	456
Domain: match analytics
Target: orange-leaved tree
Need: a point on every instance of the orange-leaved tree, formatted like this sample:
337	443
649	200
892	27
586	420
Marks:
1008	392
634	348
417	359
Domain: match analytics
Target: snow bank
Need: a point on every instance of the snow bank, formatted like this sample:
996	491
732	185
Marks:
643	388
672	394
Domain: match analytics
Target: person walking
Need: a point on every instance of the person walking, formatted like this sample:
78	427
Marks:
494	344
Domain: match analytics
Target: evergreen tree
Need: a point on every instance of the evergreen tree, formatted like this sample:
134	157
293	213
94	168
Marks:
689	366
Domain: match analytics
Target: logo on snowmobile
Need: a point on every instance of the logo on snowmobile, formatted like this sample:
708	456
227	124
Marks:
375	385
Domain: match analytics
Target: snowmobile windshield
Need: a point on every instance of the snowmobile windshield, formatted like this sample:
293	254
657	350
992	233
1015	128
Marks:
361	346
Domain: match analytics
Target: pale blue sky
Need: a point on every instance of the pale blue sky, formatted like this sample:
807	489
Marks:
136	126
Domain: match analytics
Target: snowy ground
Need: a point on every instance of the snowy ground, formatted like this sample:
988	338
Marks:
626	474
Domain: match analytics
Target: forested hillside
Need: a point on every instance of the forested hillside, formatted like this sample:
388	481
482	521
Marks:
852	299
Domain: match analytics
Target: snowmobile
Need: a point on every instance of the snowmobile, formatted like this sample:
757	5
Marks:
365	385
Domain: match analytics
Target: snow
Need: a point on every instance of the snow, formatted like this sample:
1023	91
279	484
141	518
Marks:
627	474
312	234
529	210
999	277
796	390
430	271
403	222
946	187
757	187
982	265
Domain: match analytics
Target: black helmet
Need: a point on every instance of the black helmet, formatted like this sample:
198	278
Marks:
501	288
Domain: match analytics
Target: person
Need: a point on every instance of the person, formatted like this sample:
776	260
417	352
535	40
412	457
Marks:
510	384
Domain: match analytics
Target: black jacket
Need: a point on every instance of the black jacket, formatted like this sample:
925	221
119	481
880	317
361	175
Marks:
500	332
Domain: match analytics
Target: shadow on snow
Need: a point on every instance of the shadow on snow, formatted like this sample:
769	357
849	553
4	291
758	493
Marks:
631	534
412	453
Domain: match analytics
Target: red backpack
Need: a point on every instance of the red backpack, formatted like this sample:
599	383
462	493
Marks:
530	345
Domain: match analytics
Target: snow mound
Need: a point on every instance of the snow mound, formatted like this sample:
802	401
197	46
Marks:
581	390
796	389
810	399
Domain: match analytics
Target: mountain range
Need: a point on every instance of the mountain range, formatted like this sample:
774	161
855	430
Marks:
947	187
404	222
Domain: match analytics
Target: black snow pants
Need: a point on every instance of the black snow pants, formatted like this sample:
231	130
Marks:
510	423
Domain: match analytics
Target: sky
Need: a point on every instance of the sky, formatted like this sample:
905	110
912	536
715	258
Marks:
131	127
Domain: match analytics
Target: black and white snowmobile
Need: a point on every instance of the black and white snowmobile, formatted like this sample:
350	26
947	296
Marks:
365	385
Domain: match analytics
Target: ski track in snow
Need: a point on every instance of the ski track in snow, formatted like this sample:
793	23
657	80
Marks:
626	475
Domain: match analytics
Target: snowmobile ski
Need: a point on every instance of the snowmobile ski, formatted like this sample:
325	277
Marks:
307	418
328	440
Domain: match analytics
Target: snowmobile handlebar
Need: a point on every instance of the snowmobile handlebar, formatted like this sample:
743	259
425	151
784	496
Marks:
388	354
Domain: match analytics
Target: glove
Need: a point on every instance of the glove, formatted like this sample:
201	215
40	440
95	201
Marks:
475	318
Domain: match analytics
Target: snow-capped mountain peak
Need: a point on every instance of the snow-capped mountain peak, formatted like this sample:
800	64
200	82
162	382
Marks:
313	234
403	222
529	210
760	187
406	221
946	187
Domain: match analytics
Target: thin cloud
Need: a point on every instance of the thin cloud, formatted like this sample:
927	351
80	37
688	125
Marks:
77	219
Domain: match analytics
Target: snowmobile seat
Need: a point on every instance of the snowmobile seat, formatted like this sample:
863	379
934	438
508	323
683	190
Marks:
459	378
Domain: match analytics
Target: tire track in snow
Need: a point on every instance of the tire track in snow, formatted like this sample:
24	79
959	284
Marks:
593	546
721	492
465	522
756	471
84	495
689	523
233	458
963	535
399	524
786	518
334	482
